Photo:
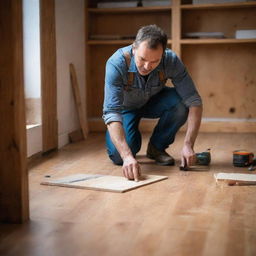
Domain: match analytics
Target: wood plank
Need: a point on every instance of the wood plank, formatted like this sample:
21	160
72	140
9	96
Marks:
117	42
219	6
48	75
130	9
217	41
236	178
14	205
79	107
103	182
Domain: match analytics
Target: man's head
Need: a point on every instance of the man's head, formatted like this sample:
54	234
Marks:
148	48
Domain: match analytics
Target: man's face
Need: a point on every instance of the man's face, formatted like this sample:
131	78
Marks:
147	59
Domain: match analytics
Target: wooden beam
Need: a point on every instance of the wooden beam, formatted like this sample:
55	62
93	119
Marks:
14	204
48	75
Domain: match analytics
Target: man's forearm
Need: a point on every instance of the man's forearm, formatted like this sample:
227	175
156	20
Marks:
117	135
194	121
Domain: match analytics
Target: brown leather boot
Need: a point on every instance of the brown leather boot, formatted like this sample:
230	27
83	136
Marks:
161	157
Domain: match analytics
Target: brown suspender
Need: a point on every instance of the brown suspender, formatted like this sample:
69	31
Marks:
130	79
127	57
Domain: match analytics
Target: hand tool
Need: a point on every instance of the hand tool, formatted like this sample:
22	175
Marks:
203	158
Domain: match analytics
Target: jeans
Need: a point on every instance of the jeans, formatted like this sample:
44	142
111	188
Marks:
172	113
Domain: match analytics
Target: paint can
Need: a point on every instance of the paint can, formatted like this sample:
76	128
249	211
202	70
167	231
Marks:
242	158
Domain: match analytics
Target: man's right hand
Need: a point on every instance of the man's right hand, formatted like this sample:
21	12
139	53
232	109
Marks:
131	168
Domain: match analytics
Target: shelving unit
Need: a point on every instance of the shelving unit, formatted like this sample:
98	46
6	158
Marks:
223	69
217	41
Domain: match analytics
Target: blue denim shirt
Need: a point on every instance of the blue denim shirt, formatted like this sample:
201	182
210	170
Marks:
117	99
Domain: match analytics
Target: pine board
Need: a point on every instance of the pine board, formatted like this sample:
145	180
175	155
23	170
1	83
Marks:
236	178
103	182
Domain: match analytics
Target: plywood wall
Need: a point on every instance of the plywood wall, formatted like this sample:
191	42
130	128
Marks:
226	78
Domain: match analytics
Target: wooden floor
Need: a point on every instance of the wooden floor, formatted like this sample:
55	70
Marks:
187	214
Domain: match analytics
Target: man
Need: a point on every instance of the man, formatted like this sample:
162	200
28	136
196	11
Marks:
135	88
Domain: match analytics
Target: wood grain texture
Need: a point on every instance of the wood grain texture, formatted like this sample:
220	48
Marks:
98	182
48	75
219	20
227	85
106	23
14	206
187	214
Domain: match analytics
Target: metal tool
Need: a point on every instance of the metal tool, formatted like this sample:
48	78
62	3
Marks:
203	158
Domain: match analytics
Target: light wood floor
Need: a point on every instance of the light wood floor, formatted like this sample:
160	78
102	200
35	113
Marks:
187	214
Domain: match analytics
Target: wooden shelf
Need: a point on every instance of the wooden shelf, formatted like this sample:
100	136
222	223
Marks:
131	9
217	65
109	42
218	6
217	41
114	42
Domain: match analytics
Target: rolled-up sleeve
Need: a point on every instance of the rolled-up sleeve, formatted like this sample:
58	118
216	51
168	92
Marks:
183	82
113	94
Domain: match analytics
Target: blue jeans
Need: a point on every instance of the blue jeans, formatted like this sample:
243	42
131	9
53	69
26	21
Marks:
172	113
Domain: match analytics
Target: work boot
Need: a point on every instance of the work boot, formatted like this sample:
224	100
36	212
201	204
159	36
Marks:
161	157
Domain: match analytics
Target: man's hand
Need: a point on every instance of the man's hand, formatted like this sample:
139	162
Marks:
188	156
131	168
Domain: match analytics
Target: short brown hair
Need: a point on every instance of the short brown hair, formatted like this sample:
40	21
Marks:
154	36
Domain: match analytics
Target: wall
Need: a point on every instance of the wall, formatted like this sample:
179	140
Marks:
70	39
31	48
32	70
32	75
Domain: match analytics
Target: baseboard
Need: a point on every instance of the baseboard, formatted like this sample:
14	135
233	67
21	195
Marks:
208	125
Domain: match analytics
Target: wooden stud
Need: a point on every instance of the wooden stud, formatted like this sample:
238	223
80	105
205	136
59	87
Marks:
14	204
48	75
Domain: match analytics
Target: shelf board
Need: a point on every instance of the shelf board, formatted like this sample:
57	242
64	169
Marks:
113	42
217	6
217	41
131	9
110	42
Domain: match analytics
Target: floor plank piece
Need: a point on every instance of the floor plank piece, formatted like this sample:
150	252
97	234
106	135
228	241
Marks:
236	178
103	182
